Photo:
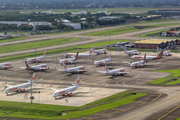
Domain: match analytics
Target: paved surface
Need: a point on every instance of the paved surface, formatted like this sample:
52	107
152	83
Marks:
162	100
165	107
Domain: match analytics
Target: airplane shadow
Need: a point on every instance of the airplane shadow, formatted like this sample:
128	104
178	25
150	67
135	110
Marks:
27	91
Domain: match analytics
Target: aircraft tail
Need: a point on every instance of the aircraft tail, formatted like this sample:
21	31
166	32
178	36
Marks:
93	47
5	32
77	81
76	57
106	68
44	55
160	54
90	52
145	57
109	55
33	78
64	66
27	65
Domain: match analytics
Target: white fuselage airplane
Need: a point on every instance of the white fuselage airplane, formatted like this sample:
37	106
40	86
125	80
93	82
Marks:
119	71
70	60
20	87
165	53
73	70
47	12
36	67
131	52
83	12
67	91
159	56
103	62
80	55
38	59
99	51
5	65
139	63
103	11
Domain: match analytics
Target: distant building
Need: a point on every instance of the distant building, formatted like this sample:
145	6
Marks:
108	18
76	26
154	43
168	12
19	23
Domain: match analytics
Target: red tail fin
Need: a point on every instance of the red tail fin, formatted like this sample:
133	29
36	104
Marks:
160	54
145	57
76	55
27	65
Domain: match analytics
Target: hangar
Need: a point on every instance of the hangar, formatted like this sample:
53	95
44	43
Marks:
154	43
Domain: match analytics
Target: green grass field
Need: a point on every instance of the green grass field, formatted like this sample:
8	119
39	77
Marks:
96	10
44	111
178	119
113	31
150	33
160	81
61	50
174	71
13	39
173	82
159	21
30	45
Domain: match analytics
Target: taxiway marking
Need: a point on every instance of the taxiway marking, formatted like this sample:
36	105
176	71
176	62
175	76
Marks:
169	112
152	108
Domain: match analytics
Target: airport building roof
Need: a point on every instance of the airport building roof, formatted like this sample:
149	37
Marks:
152	41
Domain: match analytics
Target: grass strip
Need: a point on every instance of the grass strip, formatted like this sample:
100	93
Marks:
150	33
173	82
43	111
30	45
160	81
60	50
113	31
159	21
13	39
174	71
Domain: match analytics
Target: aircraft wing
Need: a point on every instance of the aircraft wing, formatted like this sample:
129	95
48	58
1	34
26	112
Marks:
60	69
22	67
123	72
81	70
8	85
102	72
54	89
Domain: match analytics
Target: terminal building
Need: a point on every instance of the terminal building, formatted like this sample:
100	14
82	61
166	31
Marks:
34	24
154	43
168	12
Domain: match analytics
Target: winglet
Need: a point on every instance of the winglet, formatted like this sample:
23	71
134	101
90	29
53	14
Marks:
77	81
44	53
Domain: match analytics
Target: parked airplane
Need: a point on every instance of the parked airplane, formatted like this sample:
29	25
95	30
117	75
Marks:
70	60
165	53
131	52
20	87
103	62
99	51
139	63
74	69
83	12
80	54
159	56
38	59
67	91
119	71
103	11
5	65
2	35
47	12
36	67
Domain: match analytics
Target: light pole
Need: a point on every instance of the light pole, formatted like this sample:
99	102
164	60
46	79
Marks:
35	55
109	40
31	86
